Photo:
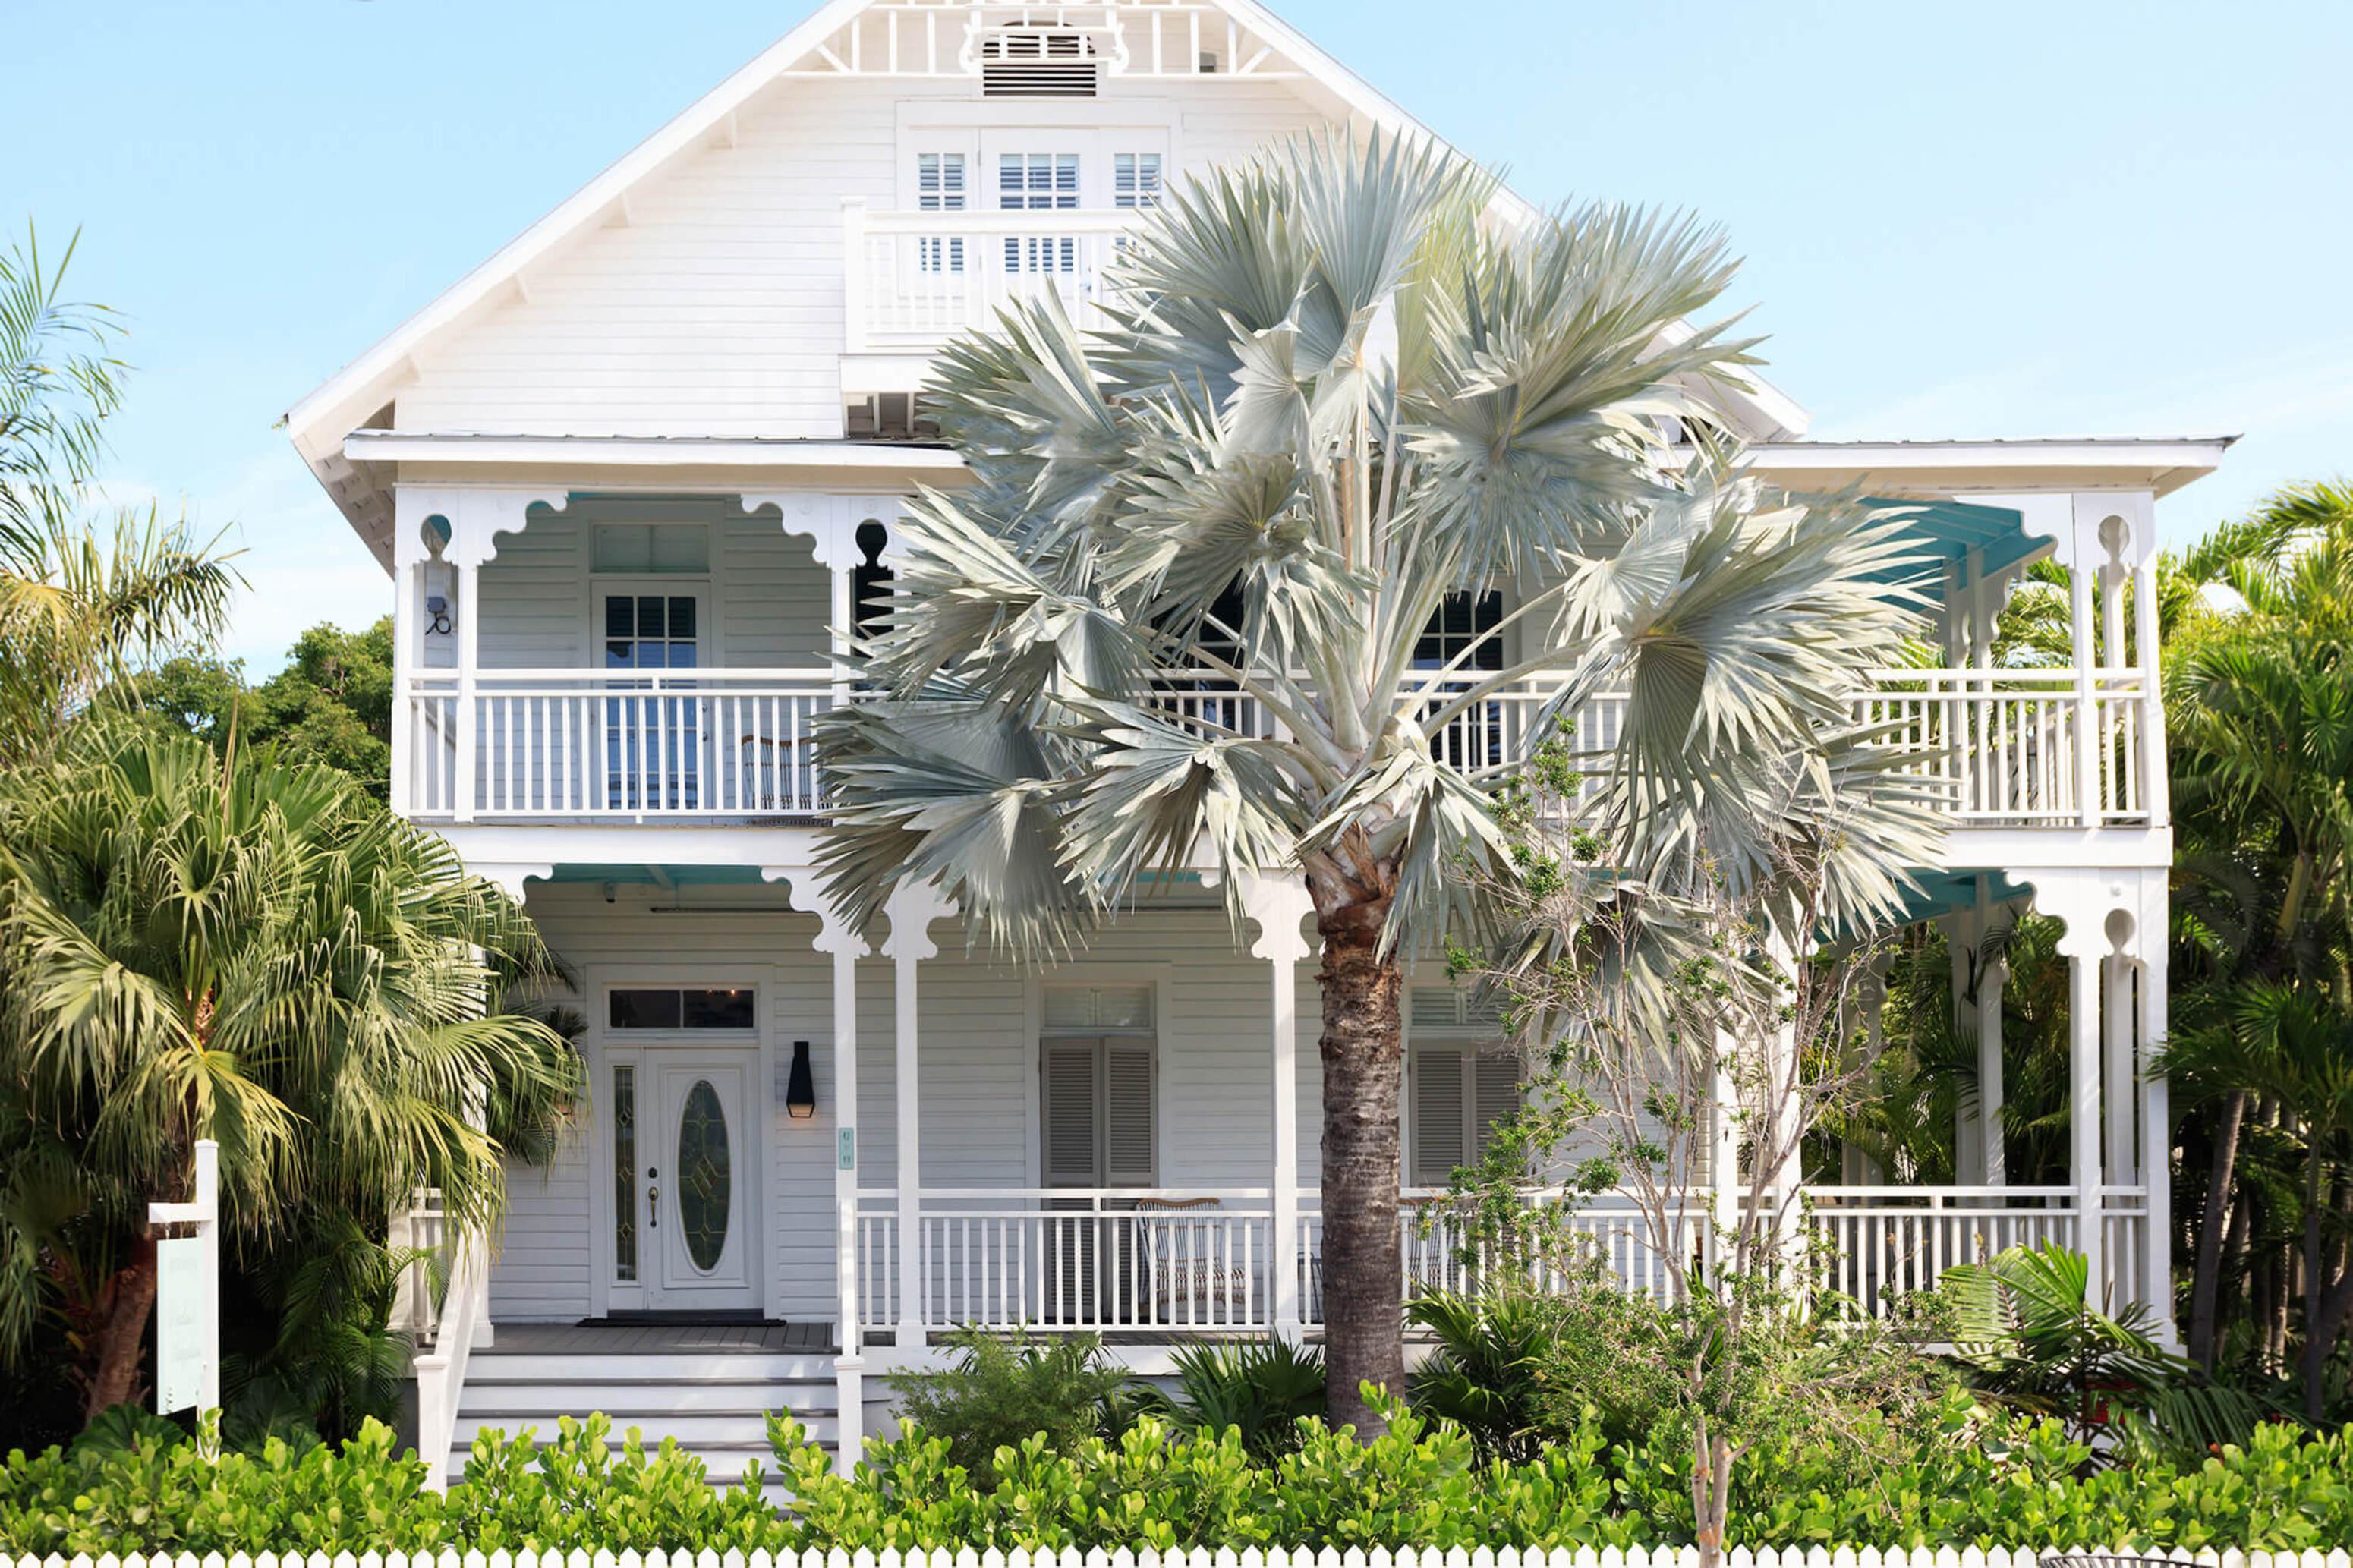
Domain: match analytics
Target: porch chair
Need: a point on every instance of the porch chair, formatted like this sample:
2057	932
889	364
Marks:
777	774
1185	1267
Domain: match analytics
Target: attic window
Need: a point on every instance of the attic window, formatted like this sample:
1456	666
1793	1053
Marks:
1026	60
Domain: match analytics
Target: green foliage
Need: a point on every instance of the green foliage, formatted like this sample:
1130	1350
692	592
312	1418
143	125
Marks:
330	704
1003	1389
2025	1332
1260	1390
1968	1478
254	953
1487	1372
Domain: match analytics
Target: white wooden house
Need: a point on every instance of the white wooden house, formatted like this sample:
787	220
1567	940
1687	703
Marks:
627	474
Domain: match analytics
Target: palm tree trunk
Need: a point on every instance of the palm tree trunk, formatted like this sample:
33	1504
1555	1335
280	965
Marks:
2208	1279
124	1338
1364	1071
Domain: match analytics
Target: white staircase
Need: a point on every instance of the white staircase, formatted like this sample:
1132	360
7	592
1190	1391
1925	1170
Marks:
714	1400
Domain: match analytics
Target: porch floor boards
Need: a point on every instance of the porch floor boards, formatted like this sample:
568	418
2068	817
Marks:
659	1338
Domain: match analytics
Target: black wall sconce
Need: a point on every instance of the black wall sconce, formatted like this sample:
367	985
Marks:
800	1084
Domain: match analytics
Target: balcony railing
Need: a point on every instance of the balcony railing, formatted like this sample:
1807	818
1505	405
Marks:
1999	748
914	279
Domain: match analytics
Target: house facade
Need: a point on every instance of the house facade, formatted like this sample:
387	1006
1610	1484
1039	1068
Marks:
636	476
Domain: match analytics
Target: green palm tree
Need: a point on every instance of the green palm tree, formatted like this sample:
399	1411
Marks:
1335	390
2259	703
82	604
194	947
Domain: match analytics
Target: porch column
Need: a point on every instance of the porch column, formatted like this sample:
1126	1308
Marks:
912	910
1278	905
2120	1074
476	516
1992	976
2084	943
836	938
2149	934
2090	511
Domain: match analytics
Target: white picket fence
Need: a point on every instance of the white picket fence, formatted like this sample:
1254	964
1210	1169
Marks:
1223	1557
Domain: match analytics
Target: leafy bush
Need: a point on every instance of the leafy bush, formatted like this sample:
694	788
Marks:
1002	1389
2026	1333
1973	1476
1261	1391
1487	1372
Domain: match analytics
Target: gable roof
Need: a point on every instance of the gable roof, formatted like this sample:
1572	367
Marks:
320	420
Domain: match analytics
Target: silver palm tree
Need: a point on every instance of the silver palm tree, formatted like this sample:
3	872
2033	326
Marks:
1328	391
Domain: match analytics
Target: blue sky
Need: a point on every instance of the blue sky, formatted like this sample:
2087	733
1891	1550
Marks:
1989	219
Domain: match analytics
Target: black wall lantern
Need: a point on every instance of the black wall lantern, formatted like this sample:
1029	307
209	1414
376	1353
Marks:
800	1086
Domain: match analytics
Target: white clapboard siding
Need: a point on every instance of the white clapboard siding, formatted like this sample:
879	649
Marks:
715	309
1200	1099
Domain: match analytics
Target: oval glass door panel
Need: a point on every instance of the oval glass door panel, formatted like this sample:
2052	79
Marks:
705	1179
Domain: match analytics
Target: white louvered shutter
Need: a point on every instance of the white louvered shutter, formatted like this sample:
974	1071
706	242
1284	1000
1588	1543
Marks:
1495	1092
1437	1146
1129	1142
1073	1153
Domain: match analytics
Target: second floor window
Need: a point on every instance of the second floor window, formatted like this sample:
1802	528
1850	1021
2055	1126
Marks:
940	188
1039	181
1135	179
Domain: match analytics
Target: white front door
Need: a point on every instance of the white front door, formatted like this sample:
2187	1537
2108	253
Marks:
703	1168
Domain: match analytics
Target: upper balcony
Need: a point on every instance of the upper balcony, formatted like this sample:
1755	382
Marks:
911	280
2003	748
610	659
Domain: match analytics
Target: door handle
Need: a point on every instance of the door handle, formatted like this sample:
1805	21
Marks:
653	1200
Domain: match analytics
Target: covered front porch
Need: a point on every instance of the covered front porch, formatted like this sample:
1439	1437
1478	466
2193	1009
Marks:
1124	1143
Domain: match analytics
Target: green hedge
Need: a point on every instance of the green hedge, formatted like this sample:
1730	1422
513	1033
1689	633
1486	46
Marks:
1982	1481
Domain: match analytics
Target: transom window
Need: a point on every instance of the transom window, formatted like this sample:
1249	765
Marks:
684	1009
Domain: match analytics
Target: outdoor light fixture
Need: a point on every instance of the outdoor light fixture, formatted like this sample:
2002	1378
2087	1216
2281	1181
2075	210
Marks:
800	1086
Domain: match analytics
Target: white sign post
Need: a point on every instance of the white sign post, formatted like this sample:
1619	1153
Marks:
187	1296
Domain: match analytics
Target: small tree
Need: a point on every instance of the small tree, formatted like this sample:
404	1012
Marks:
1694	1027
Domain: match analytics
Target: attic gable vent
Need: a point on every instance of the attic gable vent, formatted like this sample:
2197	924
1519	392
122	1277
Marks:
1029	62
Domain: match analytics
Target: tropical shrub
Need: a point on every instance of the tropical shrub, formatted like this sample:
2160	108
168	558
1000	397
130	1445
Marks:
1002	1389
1487	1372
1260	1390
1972	1477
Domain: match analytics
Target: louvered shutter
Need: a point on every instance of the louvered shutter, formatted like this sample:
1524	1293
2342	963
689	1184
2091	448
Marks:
1072	1152
1495	1093
1128	1131
1437	1114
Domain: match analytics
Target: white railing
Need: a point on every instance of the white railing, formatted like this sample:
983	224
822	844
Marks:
1061	1259
464	1321
1998	747
1607	1230
1876	1244
2005	744
616	744
421	1231
914	279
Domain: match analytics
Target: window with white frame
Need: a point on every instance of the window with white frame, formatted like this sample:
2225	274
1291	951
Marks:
1463	1078
940	187
681	1009
1039	181
1097	1050
1134	180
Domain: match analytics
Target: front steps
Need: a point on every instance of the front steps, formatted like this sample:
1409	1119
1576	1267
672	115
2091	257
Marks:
715	1402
